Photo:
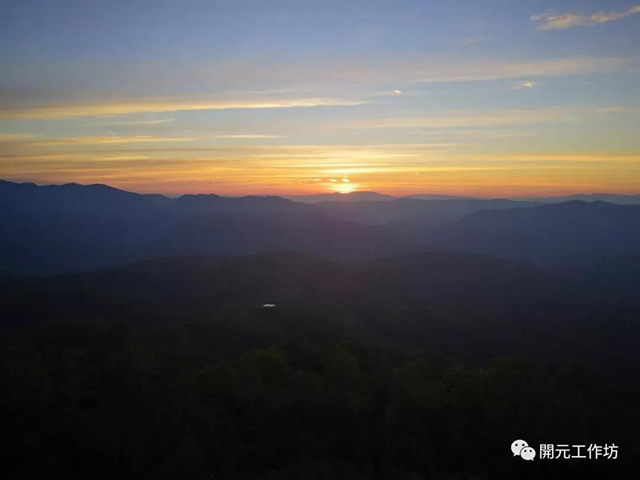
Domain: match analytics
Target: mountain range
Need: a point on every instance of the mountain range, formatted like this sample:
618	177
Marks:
66	228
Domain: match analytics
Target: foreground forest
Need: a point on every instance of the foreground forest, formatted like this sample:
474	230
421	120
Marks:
104	400
422	366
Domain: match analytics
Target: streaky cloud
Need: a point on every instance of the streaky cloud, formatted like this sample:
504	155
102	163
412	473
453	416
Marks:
472	40
57	111
553	21
453	120
247	136
104	140
489	71
133	123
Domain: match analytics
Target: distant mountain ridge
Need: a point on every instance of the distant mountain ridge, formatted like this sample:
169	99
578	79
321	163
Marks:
533	234
593	197
414	213
356	196
98	198
57	229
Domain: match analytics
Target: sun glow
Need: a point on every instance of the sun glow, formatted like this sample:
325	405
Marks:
344	188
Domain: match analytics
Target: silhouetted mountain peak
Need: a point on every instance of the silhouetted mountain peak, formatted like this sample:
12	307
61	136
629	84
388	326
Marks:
198	196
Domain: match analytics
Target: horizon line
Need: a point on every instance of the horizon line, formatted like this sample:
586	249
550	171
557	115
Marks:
443	196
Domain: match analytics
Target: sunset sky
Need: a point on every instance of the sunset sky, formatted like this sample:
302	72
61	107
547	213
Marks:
486	98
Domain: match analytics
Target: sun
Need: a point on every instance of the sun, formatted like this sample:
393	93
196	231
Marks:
345	188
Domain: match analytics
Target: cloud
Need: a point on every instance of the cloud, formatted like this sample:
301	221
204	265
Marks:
478	132
469	119
553	21
557	157
16	137
485	71
97	89
525	85
617	109
471	40
135	122
464	122
55	111
103	140
247	136
375	94
293	168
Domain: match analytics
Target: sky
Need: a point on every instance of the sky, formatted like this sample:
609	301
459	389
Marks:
464	97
